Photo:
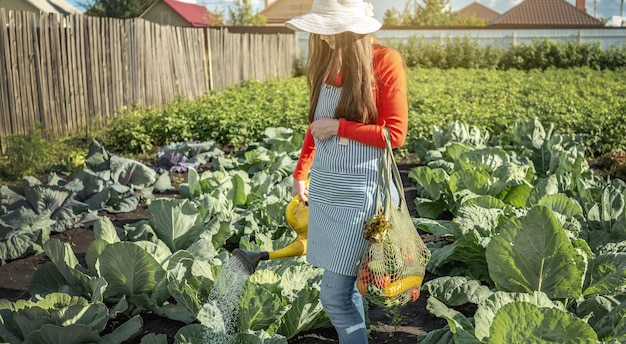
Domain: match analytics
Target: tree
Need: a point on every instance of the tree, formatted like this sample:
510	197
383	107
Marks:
470	20
242	13
435	12
115	8
392	17
431	13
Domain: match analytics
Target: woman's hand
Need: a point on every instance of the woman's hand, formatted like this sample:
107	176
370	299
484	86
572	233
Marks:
300	189
325	128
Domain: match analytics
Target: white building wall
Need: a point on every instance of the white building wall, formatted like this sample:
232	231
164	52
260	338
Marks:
609	36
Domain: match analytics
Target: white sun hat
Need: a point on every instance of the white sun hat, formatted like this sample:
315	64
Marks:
330	17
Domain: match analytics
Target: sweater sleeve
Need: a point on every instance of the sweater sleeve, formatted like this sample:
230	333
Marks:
392	104
305	161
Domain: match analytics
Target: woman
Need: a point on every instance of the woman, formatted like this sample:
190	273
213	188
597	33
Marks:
358	87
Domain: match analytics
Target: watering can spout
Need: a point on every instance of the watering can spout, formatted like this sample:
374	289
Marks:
249	260
297	214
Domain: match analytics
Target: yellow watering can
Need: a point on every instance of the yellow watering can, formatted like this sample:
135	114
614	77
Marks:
297	214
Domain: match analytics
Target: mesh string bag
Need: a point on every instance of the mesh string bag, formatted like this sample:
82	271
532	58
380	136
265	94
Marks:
394	262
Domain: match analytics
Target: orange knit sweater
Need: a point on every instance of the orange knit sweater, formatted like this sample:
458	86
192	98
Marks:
392	106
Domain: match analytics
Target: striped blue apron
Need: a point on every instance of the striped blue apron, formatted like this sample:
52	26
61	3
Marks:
342	195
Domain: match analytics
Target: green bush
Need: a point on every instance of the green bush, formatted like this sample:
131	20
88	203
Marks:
544	54
232	117
26	154
174	123
239	114
613	58
458	52
130	131
466	52
577	100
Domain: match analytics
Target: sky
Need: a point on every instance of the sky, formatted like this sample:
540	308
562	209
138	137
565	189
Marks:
597	8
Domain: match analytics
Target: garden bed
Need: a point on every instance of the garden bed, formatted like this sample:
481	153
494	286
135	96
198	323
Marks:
385	327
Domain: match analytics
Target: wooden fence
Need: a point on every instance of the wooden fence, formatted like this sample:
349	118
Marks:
71	74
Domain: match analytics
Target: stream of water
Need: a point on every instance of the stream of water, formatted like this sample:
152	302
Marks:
226	295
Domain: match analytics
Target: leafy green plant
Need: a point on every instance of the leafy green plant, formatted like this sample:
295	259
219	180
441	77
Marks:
129	131
72	161
26	154
115	183
69	153
23	232
125	275
58	201
179	156
59	318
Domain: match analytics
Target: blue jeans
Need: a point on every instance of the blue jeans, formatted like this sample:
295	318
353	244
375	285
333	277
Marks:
344	306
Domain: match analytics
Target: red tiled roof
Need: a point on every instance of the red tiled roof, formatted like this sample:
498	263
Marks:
196	15
545	13
479	11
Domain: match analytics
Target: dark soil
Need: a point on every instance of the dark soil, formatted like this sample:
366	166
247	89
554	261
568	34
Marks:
401	327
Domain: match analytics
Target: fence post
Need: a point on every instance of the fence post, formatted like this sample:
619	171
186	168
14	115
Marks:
5	90
207	34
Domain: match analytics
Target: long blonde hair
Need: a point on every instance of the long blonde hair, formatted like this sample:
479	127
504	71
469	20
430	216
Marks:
352	59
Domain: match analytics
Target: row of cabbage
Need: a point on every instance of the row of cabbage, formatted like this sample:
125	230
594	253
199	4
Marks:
32	211
169	263
530	237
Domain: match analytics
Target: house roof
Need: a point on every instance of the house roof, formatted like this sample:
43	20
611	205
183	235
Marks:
54	6
558	13
282	10
196	15
479	11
